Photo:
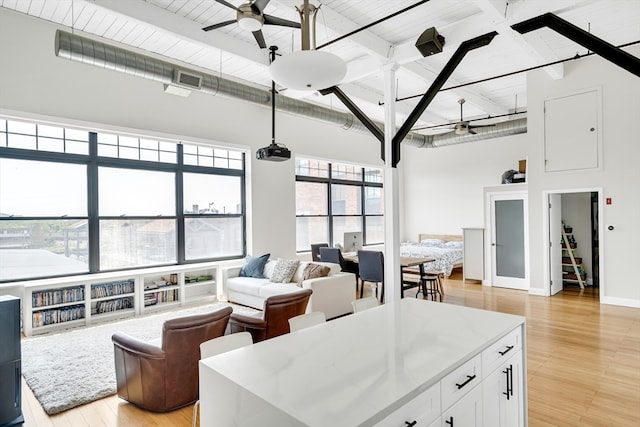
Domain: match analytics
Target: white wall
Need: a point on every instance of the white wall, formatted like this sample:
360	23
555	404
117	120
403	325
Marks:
443	187
34	82
619	176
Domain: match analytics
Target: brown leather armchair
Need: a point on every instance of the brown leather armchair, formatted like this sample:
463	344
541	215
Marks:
274	319
163	378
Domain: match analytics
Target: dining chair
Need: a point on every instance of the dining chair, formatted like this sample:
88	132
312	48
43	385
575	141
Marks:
334	255
306	320
371	266
362	304
217	346
315	250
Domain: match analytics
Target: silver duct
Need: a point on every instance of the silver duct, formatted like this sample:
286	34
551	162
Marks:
92	52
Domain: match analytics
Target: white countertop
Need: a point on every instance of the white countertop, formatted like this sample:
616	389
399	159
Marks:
356	369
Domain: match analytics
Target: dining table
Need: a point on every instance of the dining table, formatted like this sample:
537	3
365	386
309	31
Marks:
405	262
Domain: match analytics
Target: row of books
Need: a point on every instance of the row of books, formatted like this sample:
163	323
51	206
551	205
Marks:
113	305
57	296
113	288
59	315
161	297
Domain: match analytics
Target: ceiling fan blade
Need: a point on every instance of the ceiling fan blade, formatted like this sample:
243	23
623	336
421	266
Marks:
260	39
274	20
222	2
471	131
219	25
260	4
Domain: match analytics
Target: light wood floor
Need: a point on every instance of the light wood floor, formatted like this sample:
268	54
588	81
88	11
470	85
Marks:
583	364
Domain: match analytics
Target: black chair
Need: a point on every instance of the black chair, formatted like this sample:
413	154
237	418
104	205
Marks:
371	265
335	256
315	250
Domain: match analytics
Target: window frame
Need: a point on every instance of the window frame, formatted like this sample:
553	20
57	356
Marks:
362	183
93	162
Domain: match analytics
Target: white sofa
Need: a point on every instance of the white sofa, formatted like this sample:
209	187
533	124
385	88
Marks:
332	294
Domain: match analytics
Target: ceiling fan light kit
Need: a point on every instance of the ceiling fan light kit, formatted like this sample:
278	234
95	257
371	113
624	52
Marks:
249	22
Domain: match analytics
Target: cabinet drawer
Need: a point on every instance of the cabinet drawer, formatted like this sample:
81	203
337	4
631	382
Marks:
423	409
501	350
461	381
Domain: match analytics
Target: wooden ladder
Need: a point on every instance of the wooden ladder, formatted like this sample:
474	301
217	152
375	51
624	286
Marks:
570	250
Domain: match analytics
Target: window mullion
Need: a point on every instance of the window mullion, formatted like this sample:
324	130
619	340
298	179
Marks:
92	205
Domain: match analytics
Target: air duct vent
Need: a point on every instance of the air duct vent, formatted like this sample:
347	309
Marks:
191	81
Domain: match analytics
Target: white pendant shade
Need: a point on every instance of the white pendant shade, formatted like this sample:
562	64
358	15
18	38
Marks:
308	70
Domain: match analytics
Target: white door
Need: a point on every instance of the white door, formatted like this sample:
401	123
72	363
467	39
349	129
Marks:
555	243
509	241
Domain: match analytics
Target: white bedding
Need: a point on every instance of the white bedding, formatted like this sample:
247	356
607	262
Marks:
445	258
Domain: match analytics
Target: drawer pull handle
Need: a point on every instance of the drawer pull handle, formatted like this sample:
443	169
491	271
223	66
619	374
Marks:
449	421
410	424
509	348
469	378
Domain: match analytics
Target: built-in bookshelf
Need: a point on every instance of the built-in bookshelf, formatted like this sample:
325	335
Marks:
113	298
160	291
56	306
53	304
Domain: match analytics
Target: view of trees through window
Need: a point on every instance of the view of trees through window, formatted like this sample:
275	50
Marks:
137	202
335	198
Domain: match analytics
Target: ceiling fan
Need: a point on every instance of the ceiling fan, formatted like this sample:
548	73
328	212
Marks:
250	17
463	127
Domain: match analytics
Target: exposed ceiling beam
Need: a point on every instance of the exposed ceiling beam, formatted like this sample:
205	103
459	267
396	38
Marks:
502	15
182	27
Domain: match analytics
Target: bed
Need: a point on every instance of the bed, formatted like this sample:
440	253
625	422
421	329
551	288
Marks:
446	249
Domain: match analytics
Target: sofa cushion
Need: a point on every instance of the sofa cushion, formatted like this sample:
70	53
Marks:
254	266
333	269
246	285
311	271
284	269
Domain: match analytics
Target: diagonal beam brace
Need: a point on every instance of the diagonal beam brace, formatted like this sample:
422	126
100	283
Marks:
437	84
366	121
606	50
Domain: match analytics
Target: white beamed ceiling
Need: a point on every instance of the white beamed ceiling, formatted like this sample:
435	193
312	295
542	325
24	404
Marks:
173	29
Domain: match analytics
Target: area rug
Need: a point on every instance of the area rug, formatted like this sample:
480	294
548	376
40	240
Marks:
75	367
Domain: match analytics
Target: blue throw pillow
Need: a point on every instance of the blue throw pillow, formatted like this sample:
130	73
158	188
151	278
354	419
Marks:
254	266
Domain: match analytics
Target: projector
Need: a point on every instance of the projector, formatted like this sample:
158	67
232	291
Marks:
274	153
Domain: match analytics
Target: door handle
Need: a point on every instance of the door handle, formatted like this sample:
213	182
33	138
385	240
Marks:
493	244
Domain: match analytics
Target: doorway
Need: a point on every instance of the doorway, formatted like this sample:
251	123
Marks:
574	261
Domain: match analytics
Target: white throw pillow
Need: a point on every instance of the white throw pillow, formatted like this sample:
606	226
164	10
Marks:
284	269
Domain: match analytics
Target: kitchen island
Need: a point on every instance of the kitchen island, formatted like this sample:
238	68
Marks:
409	362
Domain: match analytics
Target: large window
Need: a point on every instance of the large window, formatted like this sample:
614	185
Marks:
77	201
334	198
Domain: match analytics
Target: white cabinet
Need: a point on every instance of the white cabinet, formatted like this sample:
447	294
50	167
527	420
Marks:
502	394
467	412
473	253
503	383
